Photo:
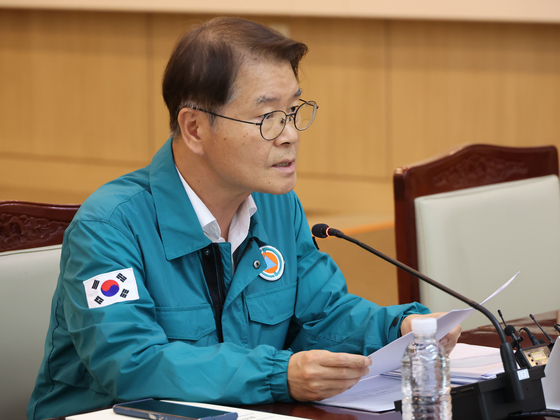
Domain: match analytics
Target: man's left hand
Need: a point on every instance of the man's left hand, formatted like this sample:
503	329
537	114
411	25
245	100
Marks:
448	341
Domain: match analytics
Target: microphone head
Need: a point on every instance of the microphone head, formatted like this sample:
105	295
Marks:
320	230
509	330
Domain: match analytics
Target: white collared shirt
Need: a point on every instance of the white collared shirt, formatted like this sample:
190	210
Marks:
239	227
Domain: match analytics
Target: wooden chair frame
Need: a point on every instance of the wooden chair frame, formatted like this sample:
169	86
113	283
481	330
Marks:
25	225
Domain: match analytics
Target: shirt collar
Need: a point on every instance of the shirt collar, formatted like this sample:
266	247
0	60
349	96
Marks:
239	228
240	223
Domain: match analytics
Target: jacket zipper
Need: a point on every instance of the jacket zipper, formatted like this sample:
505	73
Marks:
249	243
214	275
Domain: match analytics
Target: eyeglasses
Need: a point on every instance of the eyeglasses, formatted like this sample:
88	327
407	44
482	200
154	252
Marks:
273	123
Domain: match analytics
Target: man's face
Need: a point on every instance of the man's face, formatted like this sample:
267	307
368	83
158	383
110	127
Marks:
239	159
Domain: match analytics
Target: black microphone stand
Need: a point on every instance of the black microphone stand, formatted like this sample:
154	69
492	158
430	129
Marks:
506	351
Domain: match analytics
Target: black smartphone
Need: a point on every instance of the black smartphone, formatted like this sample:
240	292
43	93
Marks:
161	410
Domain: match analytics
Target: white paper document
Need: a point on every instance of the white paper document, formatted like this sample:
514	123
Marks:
389	357
469	364
472	363
551	382
377	392
374	393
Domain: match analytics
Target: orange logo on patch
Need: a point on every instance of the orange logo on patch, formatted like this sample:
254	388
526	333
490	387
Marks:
274	263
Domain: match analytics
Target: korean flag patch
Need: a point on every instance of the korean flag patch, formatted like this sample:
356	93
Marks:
114	287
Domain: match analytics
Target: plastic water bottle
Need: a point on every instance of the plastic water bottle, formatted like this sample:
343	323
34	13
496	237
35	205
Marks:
425	375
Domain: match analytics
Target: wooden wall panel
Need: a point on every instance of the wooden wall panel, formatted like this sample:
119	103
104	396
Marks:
166	29
345	73
64	76
366	275
55	180
342	165
83	88
457	83
74	90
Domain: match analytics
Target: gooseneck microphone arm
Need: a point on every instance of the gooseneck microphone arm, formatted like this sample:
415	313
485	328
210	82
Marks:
541	328
322	230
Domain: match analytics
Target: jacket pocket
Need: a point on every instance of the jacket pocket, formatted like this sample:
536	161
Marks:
186	322
272	306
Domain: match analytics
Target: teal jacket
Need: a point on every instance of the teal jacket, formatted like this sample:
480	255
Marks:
164	339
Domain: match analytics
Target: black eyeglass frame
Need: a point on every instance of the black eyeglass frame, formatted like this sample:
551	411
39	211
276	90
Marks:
292	115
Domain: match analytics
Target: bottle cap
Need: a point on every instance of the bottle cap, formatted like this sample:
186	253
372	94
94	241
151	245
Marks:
424	326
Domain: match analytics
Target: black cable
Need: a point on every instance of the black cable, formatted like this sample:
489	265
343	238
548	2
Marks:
531	336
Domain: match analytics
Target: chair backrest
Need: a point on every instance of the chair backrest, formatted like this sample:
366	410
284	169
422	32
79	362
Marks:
473	216
30	243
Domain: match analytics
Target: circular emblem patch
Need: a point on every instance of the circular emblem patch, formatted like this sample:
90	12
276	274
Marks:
274	263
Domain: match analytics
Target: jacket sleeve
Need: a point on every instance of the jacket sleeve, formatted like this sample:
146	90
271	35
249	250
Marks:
326	315
127	353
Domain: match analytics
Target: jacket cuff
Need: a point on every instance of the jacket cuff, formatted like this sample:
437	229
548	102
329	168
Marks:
279	377
413	308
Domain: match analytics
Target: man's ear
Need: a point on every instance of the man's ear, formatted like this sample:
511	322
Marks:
194	127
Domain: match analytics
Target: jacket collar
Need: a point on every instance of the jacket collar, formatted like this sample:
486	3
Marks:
179	227
180	230
256	229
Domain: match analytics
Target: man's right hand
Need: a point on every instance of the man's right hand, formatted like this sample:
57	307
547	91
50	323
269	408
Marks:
318	374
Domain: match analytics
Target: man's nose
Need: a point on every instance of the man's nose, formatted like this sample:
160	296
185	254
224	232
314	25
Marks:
289	135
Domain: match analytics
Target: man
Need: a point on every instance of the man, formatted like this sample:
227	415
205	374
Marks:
196	278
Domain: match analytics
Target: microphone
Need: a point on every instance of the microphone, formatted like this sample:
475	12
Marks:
509	330
321	230
543	331
528	357
517	401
